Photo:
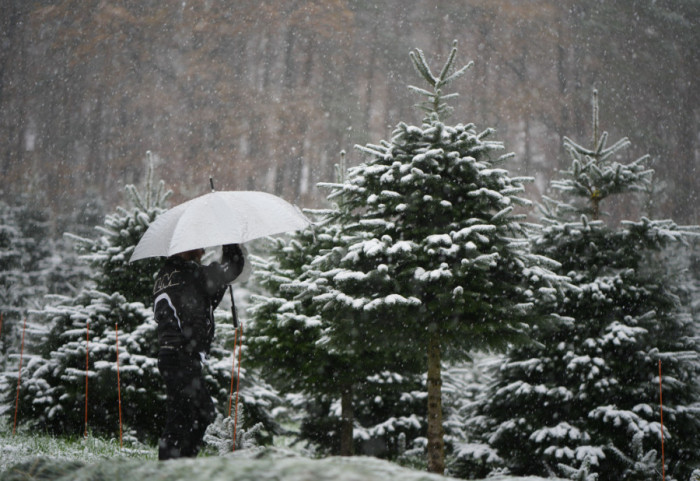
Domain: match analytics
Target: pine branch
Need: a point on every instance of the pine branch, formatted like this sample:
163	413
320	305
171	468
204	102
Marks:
619	145
448	63
595	117
421	91
601	143
421	65
577	148
458	73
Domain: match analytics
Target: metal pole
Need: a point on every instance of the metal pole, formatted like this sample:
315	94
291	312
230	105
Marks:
233	307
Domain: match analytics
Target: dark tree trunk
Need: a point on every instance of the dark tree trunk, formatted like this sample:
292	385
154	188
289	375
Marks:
436	442
347	419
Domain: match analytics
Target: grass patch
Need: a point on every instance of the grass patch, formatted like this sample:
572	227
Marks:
27	444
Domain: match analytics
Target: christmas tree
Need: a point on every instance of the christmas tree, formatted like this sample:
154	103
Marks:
24	246
589	389
354	396
72	340
70	381
437	260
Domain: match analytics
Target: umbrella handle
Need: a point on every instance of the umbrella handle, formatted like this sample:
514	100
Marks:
233	308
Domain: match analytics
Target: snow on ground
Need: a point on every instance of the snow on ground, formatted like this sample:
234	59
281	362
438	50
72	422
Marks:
238	467
32	456
94	461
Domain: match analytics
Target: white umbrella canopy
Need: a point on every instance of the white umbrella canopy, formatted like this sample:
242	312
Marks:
218	218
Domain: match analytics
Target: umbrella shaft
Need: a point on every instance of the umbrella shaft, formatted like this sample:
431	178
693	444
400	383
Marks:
233	308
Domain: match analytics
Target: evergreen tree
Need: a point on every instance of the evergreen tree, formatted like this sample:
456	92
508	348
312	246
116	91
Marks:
110	252
437	260
74	330
692	292
589	389
579	474
64	271
641	465
89	211
464	385
24	244
71	331
355	396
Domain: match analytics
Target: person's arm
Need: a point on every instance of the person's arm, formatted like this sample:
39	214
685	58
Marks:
217	275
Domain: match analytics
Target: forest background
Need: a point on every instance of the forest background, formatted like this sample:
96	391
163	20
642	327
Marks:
264	95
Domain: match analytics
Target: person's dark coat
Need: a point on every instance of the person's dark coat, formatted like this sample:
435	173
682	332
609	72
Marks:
185	296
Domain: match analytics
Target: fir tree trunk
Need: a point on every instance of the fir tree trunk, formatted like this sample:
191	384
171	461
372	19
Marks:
436	443
347	419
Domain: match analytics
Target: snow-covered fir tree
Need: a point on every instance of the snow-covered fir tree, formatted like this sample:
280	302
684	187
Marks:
354	398
91	211
74	330
590	389
641	465
64	271
581	473
53	385
435	260
692	291
463	385
24	245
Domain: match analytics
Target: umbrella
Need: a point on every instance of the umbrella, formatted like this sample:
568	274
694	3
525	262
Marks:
218	218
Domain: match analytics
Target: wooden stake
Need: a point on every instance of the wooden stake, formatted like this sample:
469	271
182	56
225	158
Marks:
661	410
119	389
233	369
87	360
238	384
19	376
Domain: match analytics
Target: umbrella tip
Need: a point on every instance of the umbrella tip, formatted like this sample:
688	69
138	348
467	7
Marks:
211	182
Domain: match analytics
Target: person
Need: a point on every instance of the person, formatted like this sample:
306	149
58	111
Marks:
185	296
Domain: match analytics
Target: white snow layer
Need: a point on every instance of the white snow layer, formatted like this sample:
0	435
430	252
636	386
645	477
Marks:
245	465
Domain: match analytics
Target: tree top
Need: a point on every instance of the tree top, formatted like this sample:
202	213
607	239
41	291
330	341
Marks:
434	105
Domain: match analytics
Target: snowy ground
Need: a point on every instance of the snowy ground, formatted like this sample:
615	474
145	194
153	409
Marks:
33	456
97	461
238	467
